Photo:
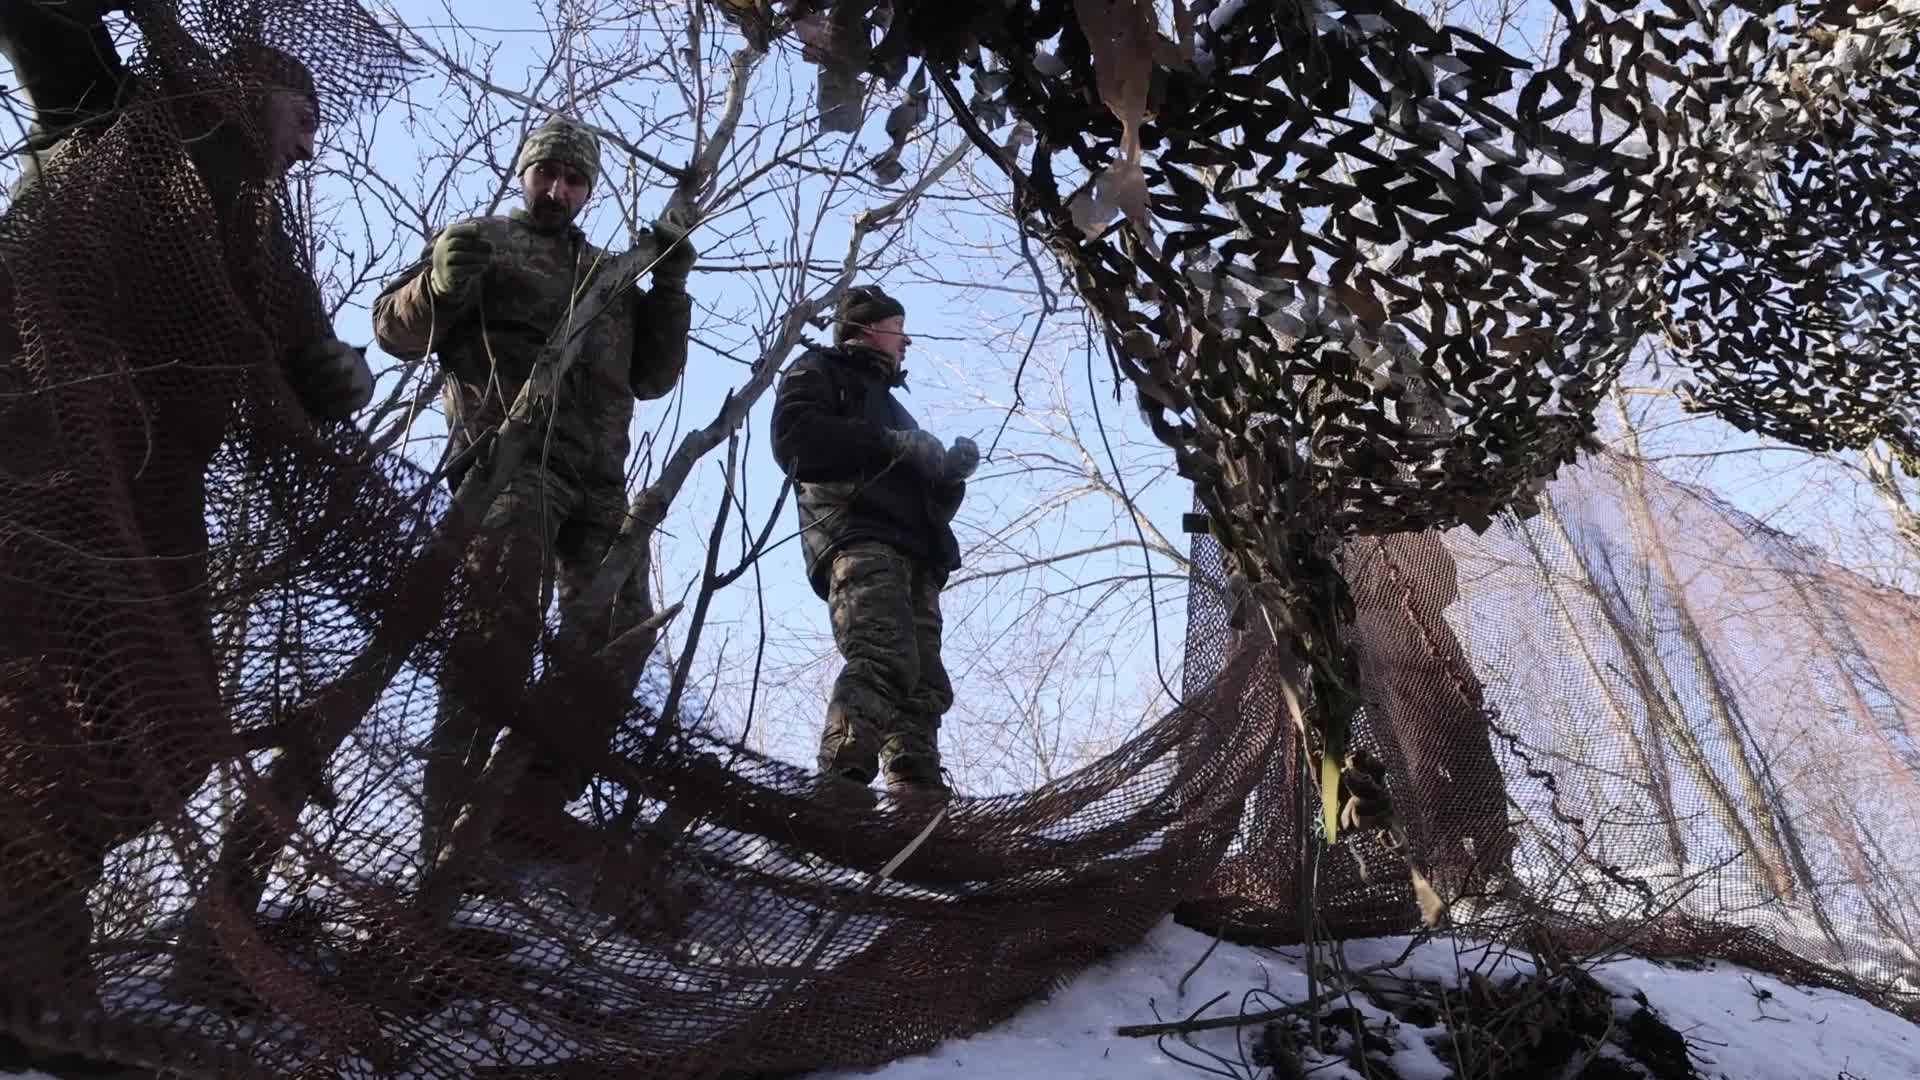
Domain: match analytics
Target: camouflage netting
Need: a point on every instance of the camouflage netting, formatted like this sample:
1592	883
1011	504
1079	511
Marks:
1705	733
1669	694
1371	276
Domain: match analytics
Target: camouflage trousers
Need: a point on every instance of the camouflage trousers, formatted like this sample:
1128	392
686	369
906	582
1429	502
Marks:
889	697
541	539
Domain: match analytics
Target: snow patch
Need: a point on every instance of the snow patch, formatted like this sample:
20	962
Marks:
1739	1024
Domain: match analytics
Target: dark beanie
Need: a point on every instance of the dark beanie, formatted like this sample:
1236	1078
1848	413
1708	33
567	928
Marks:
273	67
860	308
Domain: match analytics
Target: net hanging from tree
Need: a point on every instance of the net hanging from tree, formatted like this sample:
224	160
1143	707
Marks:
1340	360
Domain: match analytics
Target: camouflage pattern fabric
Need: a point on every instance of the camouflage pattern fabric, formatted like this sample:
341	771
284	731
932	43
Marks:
565	509
489	339
890	696
562	140
542	536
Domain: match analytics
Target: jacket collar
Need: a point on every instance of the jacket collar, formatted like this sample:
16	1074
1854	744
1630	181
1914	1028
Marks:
875	361
523	216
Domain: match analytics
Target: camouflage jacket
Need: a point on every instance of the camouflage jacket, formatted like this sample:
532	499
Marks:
489	340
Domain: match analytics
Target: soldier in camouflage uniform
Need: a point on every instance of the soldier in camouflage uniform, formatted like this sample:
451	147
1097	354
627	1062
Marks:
83	772
877	497
486	294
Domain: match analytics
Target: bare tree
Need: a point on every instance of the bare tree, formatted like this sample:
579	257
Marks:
1862	507
786	221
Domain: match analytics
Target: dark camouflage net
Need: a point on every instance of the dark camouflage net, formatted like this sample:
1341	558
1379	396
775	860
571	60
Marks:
1619	653
1372	276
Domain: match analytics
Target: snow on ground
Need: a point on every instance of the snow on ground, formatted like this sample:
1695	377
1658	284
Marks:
1739	1025
1794	1034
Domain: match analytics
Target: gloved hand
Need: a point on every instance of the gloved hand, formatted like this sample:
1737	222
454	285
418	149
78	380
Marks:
922	451
333	380
460	255
962	458
676	253
1365	803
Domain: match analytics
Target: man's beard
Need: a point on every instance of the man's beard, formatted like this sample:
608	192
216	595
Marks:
549	213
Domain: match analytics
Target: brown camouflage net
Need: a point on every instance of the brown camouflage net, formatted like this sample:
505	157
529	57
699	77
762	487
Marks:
1676	697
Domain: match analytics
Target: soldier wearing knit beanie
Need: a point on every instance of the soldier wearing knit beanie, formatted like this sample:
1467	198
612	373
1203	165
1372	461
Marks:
863	308
486	297
563	142
877	495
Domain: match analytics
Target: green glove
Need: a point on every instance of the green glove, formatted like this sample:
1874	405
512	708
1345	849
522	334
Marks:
676	254
460	255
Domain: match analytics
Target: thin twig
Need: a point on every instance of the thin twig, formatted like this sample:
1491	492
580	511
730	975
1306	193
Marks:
1181	1027
677	172
1181	986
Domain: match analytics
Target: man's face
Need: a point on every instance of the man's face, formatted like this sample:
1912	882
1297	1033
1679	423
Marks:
889	336
291	119
555	192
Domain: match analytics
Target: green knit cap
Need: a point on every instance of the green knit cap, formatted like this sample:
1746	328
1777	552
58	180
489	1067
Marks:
565	141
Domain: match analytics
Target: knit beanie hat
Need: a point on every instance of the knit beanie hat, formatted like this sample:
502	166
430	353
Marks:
562	140
273	67
860	308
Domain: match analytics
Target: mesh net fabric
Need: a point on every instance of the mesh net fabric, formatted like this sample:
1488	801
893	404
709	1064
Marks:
1614	665
1702	728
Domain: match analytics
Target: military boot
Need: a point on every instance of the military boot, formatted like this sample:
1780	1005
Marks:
915	778
845	789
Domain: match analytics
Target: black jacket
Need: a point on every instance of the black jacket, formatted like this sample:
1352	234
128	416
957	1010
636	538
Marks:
829	414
